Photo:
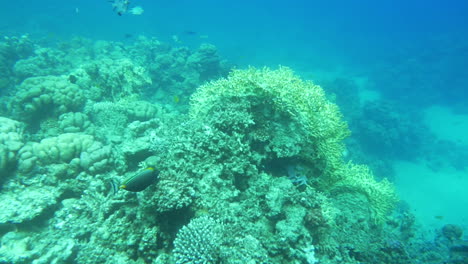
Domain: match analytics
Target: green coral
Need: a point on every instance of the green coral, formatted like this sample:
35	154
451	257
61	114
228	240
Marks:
304	102
359	178
288	118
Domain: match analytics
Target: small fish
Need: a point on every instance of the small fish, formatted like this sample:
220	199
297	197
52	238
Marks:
72	78
176	99
439	217
137	10
190	32
140	181
120	6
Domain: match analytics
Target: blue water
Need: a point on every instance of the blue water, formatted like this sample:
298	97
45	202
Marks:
300	32
405	63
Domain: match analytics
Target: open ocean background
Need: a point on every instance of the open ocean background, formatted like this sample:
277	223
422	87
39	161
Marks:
299	32
411	55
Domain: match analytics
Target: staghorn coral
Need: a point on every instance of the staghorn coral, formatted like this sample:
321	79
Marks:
198	242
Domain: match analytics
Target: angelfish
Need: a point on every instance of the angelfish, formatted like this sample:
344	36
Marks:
140	181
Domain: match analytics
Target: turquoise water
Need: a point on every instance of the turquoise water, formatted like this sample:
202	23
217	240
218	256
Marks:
256	169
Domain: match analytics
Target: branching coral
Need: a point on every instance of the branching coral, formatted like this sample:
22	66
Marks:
275	99
305	102
198	242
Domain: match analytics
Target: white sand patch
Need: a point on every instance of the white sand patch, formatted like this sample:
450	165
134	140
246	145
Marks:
368	95
432	195
442	193
446	125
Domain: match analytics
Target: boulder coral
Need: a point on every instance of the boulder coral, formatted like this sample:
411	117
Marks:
39	97
77	150
11	140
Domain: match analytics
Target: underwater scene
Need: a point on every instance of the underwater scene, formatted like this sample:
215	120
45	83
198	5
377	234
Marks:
234	132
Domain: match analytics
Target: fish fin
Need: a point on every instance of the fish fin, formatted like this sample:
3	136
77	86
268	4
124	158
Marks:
114	187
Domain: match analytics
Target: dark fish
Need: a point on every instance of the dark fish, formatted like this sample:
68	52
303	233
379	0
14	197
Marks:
141	180
190	32
72	78
120	6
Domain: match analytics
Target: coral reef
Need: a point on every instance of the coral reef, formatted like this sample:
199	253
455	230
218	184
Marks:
12	49
39	97
11	140
44	62
112	80
385	132
198	242
251	171
78	151
283	100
